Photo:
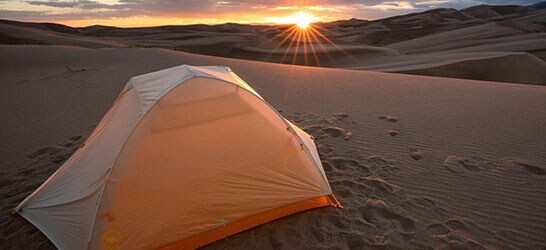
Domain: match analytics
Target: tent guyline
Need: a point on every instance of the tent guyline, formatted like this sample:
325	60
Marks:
184	157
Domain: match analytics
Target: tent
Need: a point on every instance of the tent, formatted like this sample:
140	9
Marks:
184	157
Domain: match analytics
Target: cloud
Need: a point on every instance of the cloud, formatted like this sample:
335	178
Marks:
432	2
16	14
392	6
81	4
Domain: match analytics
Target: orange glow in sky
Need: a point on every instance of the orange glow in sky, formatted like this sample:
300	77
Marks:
183	12
301	18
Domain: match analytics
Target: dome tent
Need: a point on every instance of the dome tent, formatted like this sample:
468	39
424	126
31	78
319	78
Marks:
184	157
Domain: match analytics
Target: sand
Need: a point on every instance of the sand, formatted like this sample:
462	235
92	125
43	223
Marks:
418	162
440	42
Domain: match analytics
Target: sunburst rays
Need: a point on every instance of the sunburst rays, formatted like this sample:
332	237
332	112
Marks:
300	42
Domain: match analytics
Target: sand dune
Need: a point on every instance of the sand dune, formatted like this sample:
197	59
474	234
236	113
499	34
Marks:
38	36
504	36
419	162
522	68
439	42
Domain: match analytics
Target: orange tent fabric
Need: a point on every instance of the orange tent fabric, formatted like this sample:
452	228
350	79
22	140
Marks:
185	156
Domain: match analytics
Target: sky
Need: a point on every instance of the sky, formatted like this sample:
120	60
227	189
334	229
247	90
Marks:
135	13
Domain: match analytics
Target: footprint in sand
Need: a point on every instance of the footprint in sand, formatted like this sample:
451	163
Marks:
431	206
324	120
377	212
340	116
356	240
454	242
342	163
531	168
380	186
416	154
445	227
333	131
454	224
378	160
525	165
438	229
337	220
425	202
388	118
392	132
458	165
386	171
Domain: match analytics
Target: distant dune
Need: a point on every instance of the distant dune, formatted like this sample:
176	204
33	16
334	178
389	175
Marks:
440	42
523	68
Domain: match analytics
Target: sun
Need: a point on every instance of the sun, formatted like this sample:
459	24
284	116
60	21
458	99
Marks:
301	19
300	36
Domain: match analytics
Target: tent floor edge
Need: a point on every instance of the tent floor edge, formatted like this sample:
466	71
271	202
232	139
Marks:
208	237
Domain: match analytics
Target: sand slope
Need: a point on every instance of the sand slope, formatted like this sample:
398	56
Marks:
419	162
30	35
522	68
